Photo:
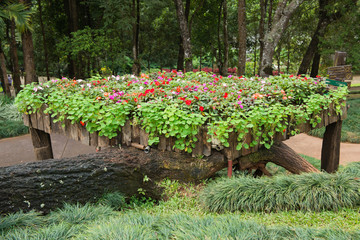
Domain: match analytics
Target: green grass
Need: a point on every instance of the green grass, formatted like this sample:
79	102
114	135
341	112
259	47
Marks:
11	123
350	131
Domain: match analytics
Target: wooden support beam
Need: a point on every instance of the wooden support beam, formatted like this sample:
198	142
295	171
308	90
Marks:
42	144
330	152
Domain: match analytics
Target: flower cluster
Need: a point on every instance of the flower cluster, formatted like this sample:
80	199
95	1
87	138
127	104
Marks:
177	104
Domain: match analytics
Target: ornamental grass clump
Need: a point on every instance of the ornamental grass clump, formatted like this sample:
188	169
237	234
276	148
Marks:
177	105
305	192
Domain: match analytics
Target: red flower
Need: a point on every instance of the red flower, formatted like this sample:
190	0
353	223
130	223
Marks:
82	123
188	102
196	97
201	108
225	95
135	99
181	98
152	90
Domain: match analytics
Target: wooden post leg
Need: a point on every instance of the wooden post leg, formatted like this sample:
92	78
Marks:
42	144
330	152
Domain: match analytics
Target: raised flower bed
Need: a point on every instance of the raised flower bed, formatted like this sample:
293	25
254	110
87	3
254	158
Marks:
195	113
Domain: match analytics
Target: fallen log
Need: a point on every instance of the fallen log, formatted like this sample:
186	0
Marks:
281	155
47	184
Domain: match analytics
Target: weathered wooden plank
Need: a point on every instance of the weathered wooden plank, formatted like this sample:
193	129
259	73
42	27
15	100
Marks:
40	119
340	58
42	144
74	131
84	135
330	152
247	140
126	134
230	152
169	144
144	137
103	141
33	120
162	143
206	144
199	145
135	134
26	119
94	139
67	129
47	121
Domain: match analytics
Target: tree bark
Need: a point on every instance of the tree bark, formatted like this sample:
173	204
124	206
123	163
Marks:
44	41
29	59
28	51
315	64
242	37
136	68
226	42
4	79
261	31
180	62
272	38
42	144
281	155
185	34
323	22
85	178
14	58
330	152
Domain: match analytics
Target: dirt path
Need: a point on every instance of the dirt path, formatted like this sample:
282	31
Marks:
19	149
311	146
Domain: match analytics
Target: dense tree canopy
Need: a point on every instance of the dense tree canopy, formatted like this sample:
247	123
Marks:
78	38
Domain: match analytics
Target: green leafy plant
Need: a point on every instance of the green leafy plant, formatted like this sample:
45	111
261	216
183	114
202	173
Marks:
177	105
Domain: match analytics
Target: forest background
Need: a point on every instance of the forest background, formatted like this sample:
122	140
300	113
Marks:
77	39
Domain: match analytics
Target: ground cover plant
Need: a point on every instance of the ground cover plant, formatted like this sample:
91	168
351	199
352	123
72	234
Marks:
350	131
176	104
11	123
181	216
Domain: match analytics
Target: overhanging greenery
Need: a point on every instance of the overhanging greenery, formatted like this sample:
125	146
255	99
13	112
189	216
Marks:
176	104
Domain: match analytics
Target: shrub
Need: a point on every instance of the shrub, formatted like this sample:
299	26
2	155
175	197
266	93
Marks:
115	200
20	219
307	192
78	214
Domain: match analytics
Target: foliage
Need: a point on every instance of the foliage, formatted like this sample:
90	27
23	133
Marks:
180	216
20	219
78	214
11	124
306	192
115	200
350	131
261	107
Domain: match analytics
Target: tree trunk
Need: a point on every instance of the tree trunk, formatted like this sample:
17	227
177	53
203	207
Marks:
29	59
219	58
185	34
281	155
324	20
85	178
42	144
4	79
272	38
242	37
14	58
312	48
44	41
136	68
315	64
28	51
71	12
226	42
180	62
261	30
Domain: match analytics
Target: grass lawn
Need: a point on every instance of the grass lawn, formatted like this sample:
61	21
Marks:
181	215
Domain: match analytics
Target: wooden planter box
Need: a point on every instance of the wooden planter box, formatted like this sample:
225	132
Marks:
134	135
